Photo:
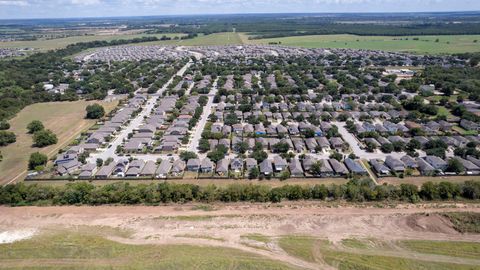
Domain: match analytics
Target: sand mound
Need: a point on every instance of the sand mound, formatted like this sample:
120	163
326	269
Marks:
430	223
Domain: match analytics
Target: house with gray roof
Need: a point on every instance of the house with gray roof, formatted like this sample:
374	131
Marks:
193	165
409	162
68	168
149	168
164	169
470	167
178	167
206	165
105	171
135	168
338	167
424	167
222	167
87	171
395	164
379	167
266	167
295	168
250	163
355	167
279	163
436	162
326	169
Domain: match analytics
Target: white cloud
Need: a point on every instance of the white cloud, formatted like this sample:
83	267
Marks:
13	3
86	2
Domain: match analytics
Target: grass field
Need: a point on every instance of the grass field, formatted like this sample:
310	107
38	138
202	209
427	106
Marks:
65	119
361	256
50	44
456	249
424	44
227	38
80	251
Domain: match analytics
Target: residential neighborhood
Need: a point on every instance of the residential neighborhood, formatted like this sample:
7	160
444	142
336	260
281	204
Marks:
225	116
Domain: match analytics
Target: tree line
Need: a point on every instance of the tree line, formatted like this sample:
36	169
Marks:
84	193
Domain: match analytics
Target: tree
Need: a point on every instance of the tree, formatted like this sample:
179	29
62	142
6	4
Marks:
308	133
241	147
454	165
218	154
316	168
35	126
280	147
370	146
99	162
414	145
336	155
44	138
7	137
37	159
186	155
259	155
95	111
254	173
4	125
387	148
284	175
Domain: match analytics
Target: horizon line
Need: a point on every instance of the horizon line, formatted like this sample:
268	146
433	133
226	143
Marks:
250	13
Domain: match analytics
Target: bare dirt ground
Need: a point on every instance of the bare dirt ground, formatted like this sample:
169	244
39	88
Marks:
226	225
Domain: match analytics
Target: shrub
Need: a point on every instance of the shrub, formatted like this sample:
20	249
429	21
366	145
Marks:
44	138
37	159
95	111
35	126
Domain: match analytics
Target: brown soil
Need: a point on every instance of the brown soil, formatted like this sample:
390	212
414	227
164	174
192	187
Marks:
226	223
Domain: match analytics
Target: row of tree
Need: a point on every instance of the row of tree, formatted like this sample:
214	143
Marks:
125	193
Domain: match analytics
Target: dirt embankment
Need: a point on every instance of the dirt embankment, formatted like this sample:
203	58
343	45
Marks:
405	221
227	225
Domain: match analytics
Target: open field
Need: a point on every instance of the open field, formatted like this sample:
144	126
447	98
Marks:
65	119
58	43
424	44
422	179
226	38
239	236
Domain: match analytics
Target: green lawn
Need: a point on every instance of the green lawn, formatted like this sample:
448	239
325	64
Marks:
456	249
424	44
353	258
257	237
80	251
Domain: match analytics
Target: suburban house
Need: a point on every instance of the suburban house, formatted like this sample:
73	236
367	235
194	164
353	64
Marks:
266	167
164	169
193	165
295	168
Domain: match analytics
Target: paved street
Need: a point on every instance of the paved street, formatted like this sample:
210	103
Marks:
355	145
207	110
135	123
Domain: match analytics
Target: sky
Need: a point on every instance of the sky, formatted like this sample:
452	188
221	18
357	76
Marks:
21	9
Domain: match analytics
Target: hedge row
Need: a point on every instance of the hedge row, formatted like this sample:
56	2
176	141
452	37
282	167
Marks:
124	193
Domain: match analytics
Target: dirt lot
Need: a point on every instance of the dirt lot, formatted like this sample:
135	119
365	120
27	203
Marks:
227	225
422	179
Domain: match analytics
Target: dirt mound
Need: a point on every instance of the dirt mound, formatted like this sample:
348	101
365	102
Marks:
430	222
